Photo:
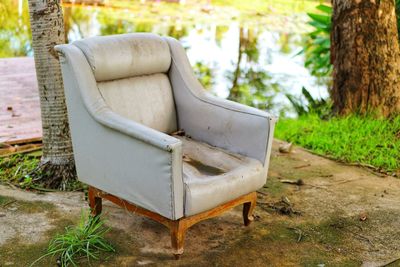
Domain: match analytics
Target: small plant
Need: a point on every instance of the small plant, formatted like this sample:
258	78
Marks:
27	182
85	240
321	107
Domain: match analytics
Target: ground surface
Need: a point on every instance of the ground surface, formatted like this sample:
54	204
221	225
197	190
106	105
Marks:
327	232
19	101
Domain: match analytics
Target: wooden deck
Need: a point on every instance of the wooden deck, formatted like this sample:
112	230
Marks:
19	100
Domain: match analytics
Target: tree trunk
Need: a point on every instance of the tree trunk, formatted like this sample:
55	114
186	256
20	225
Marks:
47	30
365	56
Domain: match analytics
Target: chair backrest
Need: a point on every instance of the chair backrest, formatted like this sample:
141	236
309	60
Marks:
130	71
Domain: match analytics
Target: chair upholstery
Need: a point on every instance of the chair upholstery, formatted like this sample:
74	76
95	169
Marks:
131	72
214	176
126	94
150	95
112	57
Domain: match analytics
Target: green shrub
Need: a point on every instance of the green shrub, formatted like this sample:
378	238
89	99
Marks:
321	107
317	60
318	44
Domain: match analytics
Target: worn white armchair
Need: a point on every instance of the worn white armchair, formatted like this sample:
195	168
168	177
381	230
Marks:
148	137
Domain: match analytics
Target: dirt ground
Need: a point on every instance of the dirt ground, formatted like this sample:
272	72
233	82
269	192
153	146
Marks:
340	216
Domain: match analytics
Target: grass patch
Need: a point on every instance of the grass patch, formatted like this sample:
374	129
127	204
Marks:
26	206
14	169
23	171
331	232
351	139
5	201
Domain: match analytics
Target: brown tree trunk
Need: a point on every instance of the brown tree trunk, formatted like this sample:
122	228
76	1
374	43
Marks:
366	57
47	30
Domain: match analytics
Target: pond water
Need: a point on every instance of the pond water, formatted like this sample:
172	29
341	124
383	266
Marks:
242	50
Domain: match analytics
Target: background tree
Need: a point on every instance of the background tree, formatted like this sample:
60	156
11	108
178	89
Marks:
250	83
57	163
14	36
365	55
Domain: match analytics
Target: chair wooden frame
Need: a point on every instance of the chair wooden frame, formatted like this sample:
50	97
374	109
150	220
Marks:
178	227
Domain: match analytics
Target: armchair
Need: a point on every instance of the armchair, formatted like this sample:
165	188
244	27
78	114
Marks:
149	138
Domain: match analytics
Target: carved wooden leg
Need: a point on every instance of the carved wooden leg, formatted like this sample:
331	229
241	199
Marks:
94	202
177	237
248	209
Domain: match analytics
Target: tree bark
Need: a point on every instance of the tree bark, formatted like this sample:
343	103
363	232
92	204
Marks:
366	58
47	28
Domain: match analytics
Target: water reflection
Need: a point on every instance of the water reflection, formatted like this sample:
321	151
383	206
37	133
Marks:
251	84
249	60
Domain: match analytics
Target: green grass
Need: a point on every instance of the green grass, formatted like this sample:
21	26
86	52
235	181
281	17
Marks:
352	139
84	241
14	169
23	171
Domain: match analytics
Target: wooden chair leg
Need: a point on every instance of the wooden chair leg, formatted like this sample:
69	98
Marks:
178	231
248	209
95	202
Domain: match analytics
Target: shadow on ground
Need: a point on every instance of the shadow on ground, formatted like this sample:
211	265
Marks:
340	216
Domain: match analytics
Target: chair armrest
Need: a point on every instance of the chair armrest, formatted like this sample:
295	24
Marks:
236	127
115	154
219	122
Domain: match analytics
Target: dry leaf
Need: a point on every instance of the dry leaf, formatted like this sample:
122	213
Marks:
363	216
286	148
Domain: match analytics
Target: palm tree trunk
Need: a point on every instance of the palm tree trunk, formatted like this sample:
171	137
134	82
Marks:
47	31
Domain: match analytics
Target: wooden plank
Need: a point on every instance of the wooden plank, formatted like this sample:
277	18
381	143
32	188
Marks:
19	100
24	141
19	150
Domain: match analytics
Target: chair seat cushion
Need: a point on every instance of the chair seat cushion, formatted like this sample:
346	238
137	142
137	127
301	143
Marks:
213	176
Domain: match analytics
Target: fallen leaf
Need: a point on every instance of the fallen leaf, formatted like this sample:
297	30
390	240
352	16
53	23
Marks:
302	166
363	216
